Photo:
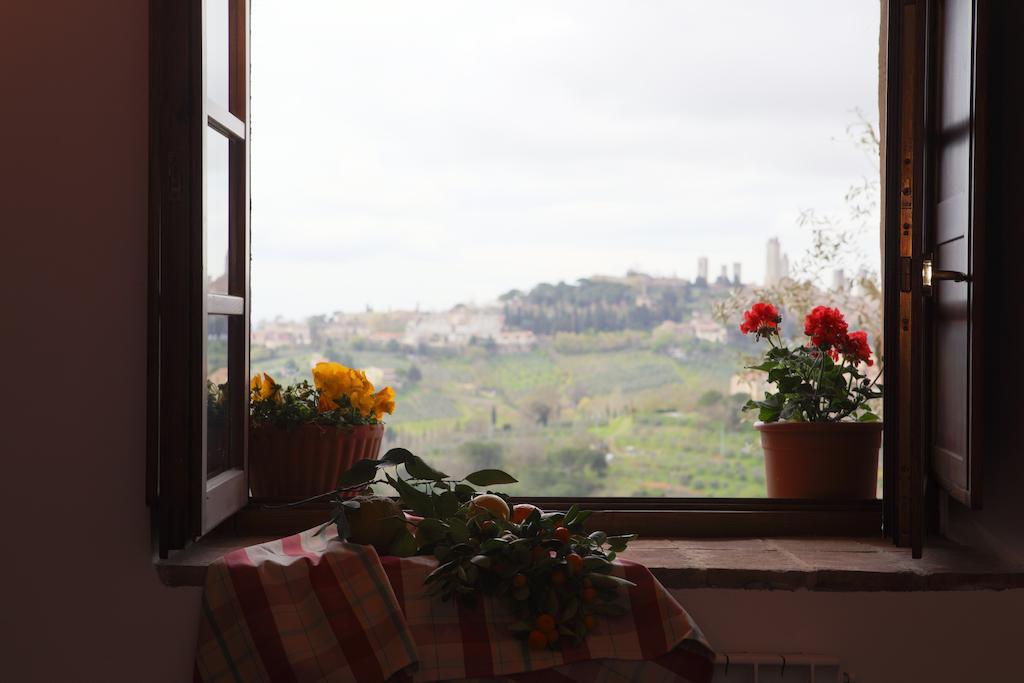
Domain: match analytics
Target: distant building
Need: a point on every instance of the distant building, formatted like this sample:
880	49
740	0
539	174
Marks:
702	270
838	280
280	332
723	277
708	330
776	263
736	279
516	340
455	328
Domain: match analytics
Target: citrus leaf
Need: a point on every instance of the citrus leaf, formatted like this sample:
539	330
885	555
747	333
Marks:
403	545
362	472
419	502
447	504
396	456
490	478
465	492
436	574
418	469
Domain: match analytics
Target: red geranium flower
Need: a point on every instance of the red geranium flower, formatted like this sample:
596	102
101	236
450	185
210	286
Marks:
826	327
762	319
856	348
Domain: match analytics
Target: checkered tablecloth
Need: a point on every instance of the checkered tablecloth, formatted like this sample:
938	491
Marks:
314	608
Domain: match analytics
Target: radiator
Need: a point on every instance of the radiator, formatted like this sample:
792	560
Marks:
744	667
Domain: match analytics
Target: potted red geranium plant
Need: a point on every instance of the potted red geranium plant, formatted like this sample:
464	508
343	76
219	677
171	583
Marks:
818	431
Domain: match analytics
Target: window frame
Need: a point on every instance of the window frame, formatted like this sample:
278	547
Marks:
186	506
186	502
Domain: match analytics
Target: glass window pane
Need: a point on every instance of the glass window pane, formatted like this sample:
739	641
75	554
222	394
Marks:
221	396
218	51
218	212
578	202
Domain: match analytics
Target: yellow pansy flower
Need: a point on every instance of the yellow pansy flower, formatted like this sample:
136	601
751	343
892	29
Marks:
384	402
263	388
362	401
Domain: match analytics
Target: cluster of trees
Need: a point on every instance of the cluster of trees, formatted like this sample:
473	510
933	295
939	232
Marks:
596	306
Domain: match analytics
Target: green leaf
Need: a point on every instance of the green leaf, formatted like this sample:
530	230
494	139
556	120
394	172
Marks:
581	518
618	543
868	417
490	478
492	544
430	529
341	522
465	492
436	574
570	515
396	456
481	561
458	530
419	502
447	504
595	563
403	545
363	471
351	504
418	469
610	581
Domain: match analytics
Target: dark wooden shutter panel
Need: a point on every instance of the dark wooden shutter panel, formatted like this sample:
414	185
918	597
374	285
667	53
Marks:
954	224
191	496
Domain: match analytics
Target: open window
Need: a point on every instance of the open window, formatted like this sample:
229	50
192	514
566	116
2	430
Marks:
933	142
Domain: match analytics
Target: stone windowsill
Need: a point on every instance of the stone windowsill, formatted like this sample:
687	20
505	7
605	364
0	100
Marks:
823	564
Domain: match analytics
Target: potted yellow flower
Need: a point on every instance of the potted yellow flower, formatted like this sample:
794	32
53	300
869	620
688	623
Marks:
302	438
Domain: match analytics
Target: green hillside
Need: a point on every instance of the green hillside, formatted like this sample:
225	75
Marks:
568	418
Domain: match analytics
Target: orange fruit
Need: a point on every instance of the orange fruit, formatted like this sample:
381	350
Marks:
590	621
558	577
518	580
553	637
563	534
574	561
545	622
489	503
521	511
589	595
537	639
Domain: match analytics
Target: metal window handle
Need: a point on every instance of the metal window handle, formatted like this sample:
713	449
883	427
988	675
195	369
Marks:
930	274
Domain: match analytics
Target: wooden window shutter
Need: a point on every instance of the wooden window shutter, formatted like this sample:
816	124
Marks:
954	235
935	240
199	266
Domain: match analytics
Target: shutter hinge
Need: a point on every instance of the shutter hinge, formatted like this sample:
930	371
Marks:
905	270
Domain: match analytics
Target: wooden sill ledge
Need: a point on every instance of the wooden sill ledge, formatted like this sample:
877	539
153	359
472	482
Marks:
821	564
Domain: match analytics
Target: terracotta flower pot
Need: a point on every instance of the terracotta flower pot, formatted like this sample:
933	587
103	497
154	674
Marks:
307	460
831	460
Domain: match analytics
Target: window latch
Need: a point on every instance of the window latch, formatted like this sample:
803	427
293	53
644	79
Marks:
930	274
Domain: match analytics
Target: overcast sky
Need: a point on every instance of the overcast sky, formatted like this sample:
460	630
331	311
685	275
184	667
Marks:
437	151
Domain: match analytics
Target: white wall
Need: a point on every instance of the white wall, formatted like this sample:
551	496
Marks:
957	636
79	599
